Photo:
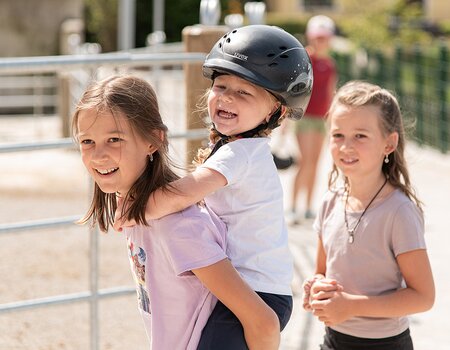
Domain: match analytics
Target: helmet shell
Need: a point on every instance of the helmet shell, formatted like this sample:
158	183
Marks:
269	57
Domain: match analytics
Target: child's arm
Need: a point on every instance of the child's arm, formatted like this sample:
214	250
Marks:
326	284
187	191
184	192
418	296
260	323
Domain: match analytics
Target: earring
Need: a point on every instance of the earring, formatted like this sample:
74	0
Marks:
386	158
150	157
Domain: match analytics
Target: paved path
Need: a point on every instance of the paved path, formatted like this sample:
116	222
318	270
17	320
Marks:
430	174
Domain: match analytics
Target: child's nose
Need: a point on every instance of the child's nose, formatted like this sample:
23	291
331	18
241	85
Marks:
226	95
99	153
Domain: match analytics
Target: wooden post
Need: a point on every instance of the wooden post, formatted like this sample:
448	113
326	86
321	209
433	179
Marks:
197	38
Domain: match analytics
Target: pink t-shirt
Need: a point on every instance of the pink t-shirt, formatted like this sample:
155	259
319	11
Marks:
368	266
174	304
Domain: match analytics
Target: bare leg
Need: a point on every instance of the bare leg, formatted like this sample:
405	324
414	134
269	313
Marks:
310	144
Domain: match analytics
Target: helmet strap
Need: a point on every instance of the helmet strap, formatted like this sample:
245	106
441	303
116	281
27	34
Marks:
255	132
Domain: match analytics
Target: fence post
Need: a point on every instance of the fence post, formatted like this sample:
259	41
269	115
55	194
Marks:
380	76
398	73
442	81
197	38
419	77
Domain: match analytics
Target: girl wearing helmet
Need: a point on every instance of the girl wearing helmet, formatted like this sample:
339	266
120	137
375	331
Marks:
260	74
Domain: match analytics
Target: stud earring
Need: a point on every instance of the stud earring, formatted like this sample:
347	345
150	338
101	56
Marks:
386	158
150	157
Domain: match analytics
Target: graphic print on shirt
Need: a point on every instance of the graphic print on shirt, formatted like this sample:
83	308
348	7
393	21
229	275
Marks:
137	260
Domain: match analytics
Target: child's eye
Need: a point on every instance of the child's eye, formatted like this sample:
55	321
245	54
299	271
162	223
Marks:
86	142
337	136
115	139
243	92
360	136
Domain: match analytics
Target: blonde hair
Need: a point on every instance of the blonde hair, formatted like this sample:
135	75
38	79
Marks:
358	94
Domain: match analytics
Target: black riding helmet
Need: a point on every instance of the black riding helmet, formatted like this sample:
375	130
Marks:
269	57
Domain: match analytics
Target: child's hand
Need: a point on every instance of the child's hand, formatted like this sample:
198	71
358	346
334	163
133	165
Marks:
324	288
333	310
307	284
120	221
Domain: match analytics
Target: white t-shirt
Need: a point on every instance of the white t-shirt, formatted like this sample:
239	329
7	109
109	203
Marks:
368	266
174	304
251	205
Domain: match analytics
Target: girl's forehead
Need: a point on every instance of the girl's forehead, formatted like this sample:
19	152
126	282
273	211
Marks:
368	116
89	118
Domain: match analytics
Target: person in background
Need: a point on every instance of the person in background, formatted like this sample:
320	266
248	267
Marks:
372	266
310	130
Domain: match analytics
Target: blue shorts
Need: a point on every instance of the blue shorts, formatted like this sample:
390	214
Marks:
334	340
223	331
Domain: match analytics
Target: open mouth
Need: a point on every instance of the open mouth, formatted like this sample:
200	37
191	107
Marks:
226	114
106	171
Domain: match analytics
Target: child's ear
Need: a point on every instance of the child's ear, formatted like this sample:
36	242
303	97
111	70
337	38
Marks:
153	148
391	142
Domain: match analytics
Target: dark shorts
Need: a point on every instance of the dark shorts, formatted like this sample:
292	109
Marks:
334	340
223	331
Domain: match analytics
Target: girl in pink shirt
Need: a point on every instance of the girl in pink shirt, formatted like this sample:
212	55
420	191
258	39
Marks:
372	267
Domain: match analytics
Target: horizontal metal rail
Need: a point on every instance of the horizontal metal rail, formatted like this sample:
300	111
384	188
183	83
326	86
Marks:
39	224
66	299
192	134
44	64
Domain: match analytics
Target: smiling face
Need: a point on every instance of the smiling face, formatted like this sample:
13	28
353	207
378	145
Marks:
357	143
236	105
114	156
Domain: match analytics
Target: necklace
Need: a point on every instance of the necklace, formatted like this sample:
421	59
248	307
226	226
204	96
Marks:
351	231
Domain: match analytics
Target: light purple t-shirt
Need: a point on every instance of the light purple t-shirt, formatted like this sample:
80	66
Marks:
174	304
368	266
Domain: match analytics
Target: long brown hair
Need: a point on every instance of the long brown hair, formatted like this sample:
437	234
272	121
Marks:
358	94
136	99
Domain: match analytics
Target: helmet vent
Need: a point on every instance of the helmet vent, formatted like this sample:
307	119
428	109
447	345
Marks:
284	56
283	48
270	55
273	64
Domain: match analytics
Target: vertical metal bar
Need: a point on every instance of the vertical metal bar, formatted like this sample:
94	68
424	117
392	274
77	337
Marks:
158	15
126	25
442	82
419	77
398	73
380	77
93	281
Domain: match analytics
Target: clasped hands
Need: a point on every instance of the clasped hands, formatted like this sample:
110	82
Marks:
326	299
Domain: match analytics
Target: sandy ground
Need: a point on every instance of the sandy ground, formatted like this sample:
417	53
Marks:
42	263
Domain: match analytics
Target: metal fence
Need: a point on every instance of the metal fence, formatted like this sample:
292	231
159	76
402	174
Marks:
81	69
420	79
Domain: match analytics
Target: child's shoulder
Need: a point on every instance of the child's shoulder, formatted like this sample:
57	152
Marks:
192	217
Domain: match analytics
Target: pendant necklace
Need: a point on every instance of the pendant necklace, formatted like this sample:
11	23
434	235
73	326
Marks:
351	231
